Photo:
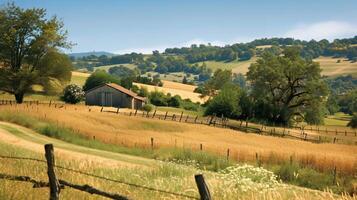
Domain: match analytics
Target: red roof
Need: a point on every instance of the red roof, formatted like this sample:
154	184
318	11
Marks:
121	89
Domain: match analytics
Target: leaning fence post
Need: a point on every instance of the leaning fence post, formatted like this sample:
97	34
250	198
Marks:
181	116
118	110
53	182
154	114
202	187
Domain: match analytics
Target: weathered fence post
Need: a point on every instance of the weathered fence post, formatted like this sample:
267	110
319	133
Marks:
154	114
228	154
201	147
53	182
334	140
118	110
165	115
196	119
136	112
181	116
152	143
202	187
101	110
186	118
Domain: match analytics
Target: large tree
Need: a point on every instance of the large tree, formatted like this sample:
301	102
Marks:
287	85
29	50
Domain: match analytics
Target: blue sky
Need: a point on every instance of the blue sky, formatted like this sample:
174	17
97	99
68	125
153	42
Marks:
123	26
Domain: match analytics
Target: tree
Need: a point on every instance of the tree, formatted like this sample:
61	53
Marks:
72	94
29	50
99	78
219	79
225	103
288	84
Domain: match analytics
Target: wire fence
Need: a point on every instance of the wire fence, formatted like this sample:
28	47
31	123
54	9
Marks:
87	188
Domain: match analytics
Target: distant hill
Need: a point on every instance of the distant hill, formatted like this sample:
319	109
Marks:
96	53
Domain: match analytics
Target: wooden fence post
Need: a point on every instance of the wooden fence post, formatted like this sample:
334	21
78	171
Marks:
181	116
334	140
165	115
201	147
154	114
196	119
228	154
53	182
136	111
118	110
152	143
101	110
186	118
202	187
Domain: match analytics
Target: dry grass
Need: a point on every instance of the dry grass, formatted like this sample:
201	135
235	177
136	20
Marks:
164	176
137	131
184	93
178	86
331	67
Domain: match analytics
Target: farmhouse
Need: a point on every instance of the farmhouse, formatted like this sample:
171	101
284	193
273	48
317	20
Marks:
114	95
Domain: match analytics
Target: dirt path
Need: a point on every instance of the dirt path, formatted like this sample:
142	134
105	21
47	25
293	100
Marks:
28	139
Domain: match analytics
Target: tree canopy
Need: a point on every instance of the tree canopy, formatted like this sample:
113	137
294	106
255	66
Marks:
29	50
286	85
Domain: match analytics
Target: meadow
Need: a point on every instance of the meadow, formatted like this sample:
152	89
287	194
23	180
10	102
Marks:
111	128
244	181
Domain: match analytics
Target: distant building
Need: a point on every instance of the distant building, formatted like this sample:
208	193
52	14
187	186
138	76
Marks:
114	95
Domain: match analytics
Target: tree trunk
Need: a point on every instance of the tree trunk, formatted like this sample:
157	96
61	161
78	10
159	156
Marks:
19	97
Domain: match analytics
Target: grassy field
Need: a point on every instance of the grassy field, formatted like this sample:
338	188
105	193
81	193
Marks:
235	66
244	181
331	67
183	91
107	67
136	131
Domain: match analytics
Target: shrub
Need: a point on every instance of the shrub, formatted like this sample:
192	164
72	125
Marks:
353	122
72	94
175	101
148	107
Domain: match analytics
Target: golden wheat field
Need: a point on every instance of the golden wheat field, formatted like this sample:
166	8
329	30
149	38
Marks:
137	131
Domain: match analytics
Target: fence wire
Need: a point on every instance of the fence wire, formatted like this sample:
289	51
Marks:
101	177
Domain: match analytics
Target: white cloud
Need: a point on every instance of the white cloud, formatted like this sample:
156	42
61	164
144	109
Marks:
323	30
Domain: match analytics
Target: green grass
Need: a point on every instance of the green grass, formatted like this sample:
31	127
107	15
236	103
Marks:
338	119
78	80
179	110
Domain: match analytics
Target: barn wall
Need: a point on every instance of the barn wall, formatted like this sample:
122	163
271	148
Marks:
119	99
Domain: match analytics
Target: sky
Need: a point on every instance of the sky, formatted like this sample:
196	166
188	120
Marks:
124	26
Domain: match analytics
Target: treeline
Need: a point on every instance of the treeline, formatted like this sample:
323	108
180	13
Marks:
244	51
188	59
